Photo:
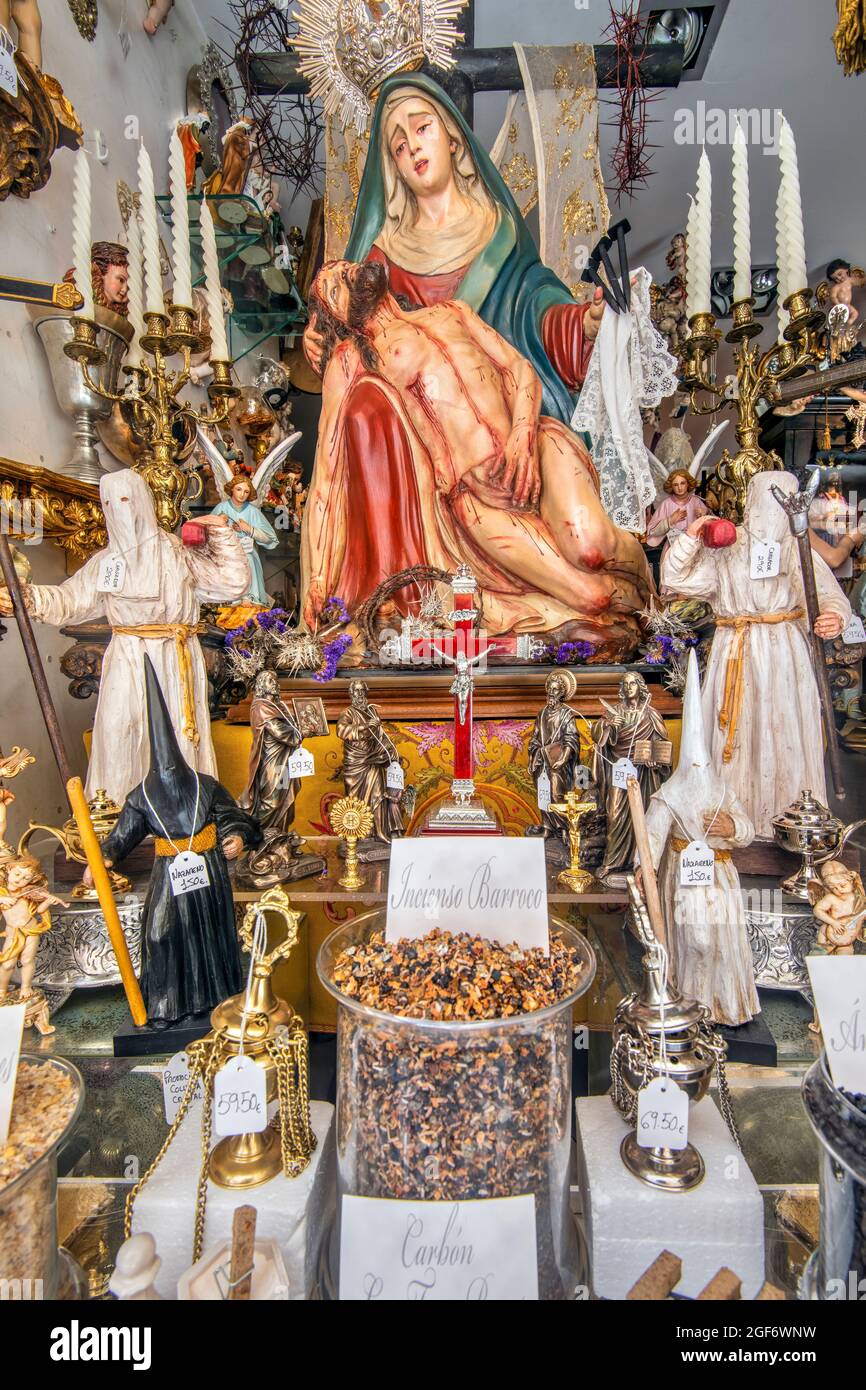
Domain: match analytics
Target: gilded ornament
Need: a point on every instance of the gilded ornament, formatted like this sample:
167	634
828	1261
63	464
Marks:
86	16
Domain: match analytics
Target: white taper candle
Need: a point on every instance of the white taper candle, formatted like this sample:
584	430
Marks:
792	208
154	302
691	247
783	289
182	289
742	226
81	232
702	260
219	347
136	292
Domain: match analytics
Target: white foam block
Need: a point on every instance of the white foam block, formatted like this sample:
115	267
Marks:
295	1212
628	1223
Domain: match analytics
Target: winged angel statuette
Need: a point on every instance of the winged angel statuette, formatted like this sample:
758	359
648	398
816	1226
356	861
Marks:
239	493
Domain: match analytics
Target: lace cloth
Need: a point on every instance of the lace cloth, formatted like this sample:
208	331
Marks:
630	369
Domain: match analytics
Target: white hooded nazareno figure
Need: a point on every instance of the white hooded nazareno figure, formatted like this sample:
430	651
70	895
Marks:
154	612
707	938
761	705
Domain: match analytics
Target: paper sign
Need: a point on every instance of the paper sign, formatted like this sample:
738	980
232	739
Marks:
764	558
697	865
239	1097
543	792
489	885
662	1115
839	987
11	1029
187	872
8	70
855	631
111	576
622	769
465	1252
301	763
175	1080
395	778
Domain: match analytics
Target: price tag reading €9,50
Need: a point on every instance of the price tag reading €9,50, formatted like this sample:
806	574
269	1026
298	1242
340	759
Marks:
764	559
239	1097
662	1115
622	769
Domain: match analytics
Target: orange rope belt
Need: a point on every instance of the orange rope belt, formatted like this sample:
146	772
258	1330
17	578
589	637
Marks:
678	845
181	634
732	695
205	839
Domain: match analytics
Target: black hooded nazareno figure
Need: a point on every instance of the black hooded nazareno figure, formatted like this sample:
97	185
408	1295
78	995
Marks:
190	954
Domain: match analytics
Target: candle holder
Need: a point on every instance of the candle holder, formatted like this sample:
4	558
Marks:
758	373
150	403
574	808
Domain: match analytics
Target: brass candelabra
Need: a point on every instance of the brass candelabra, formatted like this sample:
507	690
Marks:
758	374
150	402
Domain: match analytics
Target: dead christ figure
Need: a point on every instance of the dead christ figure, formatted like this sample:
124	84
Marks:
485	479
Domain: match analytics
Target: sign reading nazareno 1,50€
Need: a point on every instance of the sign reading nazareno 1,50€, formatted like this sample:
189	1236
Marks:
494	887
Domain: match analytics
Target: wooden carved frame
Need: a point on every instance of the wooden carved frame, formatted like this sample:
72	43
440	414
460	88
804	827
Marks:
69	510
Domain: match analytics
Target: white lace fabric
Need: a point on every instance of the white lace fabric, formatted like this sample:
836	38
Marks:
630	369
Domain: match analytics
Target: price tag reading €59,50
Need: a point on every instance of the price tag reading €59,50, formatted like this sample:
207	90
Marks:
111	576
239	1097
8	70
543	791
697	865
662	1115
764	559
301	763
186	872
855	631
622	769
395	777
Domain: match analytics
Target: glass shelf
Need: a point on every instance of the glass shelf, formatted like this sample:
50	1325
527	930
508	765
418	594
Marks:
267	302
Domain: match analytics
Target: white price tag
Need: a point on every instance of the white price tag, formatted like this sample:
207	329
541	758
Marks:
395	778
697	865
543	792
623	768
301	763
239	1097
112	575
764	558
11	1029
855	631
662	1115
187	872
175	1080
8	70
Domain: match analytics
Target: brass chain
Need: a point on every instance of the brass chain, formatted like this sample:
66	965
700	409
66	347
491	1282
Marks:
210	1070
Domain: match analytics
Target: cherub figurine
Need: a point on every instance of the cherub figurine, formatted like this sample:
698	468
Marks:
839	908
10	766
239	492
24	903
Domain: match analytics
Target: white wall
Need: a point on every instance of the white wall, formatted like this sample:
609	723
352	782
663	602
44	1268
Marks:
35	242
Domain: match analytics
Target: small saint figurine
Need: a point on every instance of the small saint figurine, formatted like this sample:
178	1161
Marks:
554	760
630	731
708	940
24	904
190	952
271	790
761	701
368	754
239	492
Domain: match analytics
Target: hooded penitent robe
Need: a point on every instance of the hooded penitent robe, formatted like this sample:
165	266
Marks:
761	705
707	937
190	954
165	584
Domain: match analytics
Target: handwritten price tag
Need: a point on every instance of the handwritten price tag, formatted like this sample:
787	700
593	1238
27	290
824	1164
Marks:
395	778
662	1115
301	763
112	575
839	986
764	559
239	1097
175	1081
8	70
11	1029
187	872
697	865
855	631
622	769
543	792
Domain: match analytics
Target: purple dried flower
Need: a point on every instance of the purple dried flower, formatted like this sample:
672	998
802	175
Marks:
332	653
335	610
